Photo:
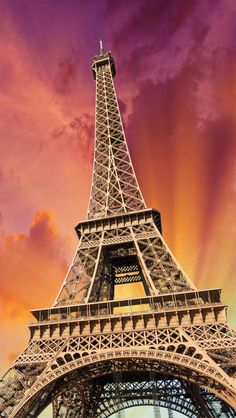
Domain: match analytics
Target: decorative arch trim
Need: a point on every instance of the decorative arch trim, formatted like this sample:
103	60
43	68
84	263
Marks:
211	378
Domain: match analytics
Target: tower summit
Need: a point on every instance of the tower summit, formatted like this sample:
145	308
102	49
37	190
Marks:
101	60
128	327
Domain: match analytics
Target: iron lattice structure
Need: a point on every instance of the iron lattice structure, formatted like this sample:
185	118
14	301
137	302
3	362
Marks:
93	353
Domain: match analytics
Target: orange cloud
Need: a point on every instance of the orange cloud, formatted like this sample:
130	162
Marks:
32	265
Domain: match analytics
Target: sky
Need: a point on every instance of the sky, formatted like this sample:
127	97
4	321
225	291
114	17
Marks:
176	83
135	412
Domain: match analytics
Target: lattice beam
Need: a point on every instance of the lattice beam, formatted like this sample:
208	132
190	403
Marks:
91	355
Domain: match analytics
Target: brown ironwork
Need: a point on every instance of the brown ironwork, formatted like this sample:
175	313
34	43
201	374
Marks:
94	353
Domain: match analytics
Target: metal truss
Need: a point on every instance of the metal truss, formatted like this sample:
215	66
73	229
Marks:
94	343
91	355
85	280
114	187
117	392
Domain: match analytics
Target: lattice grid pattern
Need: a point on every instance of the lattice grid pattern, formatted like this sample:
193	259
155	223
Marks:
114	187
179	353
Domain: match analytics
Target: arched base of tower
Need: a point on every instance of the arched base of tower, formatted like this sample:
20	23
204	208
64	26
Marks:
101	388
118	391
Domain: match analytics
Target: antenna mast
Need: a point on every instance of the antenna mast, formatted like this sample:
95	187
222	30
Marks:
101	47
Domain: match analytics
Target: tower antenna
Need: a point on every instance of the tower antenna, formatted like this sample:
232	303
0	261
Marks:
101	47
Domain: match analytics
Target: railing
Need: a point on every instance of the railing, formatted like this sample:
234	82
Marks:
161	303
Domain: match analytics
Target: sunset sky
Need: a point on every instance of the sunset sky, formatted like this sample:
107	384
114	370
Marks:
176	83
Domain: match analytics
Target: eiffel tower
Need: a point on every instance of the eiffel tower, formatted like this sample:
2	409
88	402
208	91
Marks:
128	327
